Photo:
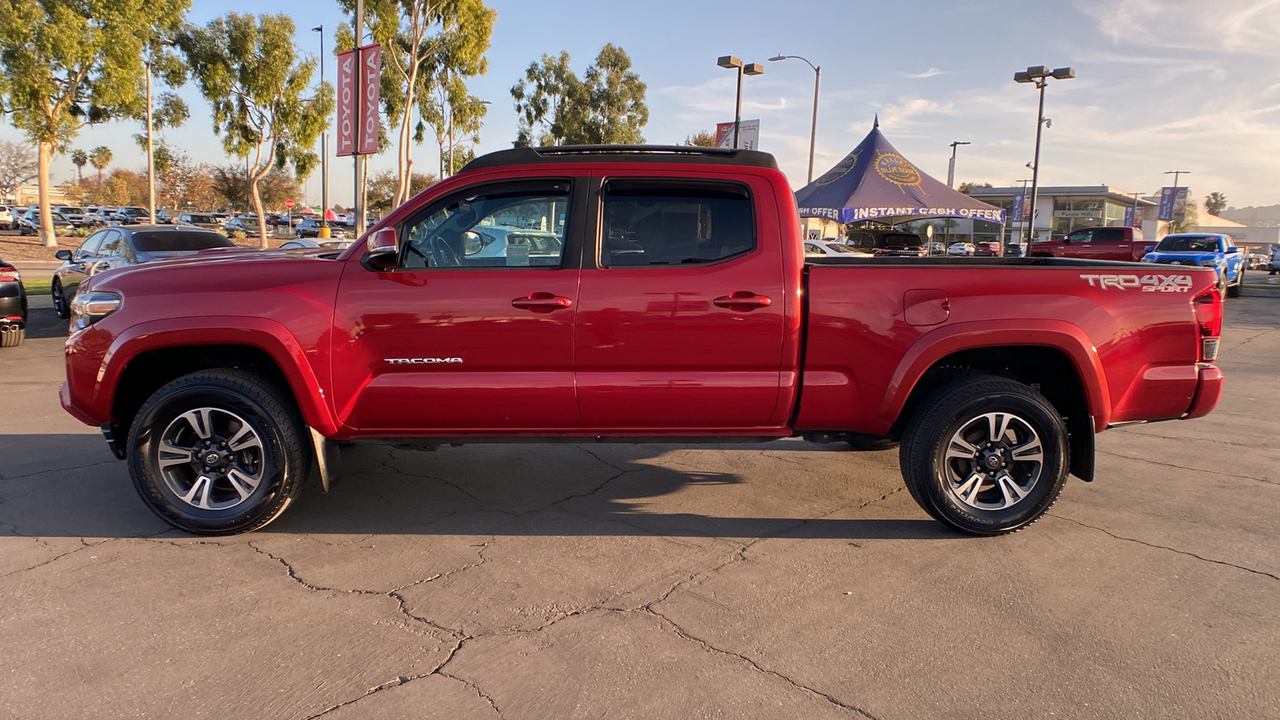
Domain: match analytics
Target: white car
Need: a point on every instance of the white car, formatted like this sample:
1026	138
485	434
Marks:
6	217
961	248
493	241
832	248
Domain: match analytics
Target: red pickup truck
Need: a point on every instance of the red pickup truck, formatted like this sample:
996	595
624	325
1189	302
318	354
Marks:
622	294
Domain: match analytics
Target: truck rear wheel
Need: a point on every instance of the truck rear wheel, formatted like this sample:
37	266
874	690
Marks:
218	452
985	455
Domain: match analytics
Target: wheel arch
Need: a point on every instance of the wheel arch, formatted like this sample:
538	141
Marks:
1057	363
143	359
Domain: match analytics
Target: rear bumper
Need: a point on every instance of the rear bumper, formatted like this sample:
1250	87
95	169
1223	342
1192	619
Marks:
1208	393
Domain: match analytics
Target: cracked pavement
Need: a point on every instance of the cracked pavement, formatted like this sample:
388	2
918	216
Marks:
786	580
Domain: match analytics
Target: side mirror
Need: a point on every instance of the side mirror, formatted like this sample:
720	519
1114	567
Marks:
1149	248
381	249
1233	250
63	255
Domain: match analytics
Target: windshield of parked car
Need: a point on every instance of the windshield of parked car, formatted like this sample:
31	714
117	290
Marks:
133	211
835	248
201	219
248	221
1196	243
178	241
70	210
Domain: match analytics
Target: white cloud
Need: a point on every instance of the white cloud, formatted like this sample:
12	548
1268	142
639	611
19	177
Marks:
1248	26
926	74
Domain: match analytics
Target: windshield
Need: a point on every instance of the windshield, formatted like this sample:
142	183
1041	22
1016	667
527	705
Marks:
201	219
178	241
133	211
70	210
1194	243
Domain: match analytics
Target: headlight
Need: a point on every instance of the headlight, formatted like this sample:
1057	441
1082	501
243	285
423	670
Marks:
91	306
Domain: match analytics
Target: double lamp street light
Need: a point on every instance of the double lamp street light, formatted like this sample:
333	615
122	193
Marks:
730	61
1039	75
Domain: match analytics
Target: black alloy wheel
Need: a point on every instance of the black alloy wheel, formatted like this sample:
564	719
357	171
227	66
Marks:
218	452
985	455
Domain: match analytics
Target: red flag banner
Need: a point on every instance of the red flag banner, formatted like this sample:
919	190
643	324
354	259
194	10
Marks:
370	87
346	110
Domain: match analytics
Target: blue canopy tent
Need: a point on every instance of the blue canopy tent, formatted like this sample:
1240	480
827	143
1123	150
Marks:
874	182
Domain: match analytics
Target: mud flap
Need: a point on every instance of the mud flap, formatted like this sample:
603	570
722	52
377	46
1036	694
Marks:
326	452
1081	436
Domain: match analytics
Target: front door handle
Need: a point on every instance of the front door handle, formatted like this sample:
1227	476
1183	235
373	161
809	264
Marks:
743	300
541	302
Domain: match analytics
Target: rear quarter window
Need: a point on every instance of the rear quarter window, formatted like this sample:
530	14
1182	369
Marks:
660	223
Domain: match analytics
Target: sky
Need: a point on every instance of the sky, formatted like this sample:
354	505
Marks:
1160	85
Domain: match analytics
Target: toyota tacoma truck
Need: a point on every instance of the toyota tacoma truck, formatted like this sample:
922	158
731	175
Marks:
626	294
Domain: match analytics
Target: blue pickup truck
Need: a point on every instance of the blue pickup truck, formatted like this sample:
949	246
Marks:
1203	250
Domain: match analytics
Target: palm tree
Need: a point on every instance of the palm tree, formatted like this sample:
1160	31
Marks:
79	158
1215	203
100	158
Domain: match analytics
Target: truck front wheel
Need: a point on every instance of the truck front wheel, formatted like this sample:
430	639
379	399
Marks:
218	452
985	455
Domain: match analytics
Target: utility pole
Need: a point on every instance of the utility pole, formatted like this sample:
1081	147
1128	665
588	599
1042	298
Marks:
324	142
151	156
951	166
359	159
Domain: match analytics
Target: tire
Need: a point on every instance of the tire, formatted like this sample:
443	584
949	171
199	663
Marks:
985	455
250	433
1233	291
60	305
12	335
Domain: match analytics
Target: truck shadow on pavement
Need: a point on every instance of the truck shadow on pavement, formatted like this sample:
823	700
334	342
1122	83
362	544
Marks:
70	486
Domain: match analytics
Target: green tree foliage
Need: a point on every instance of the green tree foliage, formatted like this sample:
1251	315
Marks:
703	138
384	185
1215	203
68	63
264	106
79	158
605	107
17	166
169	111
100	158
967	187
429	48
121	187
232	188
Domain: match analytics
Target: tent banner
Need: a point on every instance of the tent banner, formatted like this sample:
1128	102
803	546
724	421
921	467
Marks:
848	215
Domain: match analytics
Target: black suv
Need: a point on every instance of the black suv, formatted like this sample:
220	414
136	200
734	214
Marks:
13	306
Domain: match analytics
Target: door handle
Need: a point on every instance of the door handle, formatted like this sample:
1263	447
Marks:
541	302
743	300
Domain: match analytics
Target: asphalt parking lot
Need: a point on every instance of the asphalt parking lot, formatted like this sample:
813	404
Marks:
786	580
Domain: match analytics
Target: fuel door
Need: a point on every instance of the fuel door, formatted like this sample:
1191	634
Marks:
926	307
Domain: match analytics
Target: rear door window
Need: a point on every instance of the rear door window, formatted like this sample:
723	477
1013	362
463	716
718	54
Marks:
674	222
1108	235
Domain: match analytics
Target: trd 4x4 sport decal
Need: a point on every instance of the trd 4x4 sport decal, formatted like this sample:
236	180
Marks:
1148	283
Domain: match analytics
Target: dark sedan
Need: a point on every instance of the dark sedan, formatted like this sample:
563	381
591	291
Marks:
122	246
13	306
29	223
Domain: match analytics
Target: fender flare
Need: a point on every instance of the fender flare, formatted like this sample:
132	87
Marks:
933	346
262	334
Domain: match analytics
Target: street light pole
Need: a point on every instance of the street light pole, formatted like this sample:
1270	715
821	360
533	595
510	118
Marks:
151	156
951	166
324	141
729	61
813	129
1039	74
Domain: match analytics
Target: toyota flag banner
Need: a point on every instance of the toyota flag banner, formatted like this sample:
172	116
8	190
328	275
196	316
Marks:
359	88
370	87
346	110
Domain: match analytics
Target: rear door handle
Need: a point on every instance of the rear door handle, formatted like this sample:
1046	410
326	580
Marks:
541	302
743	300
